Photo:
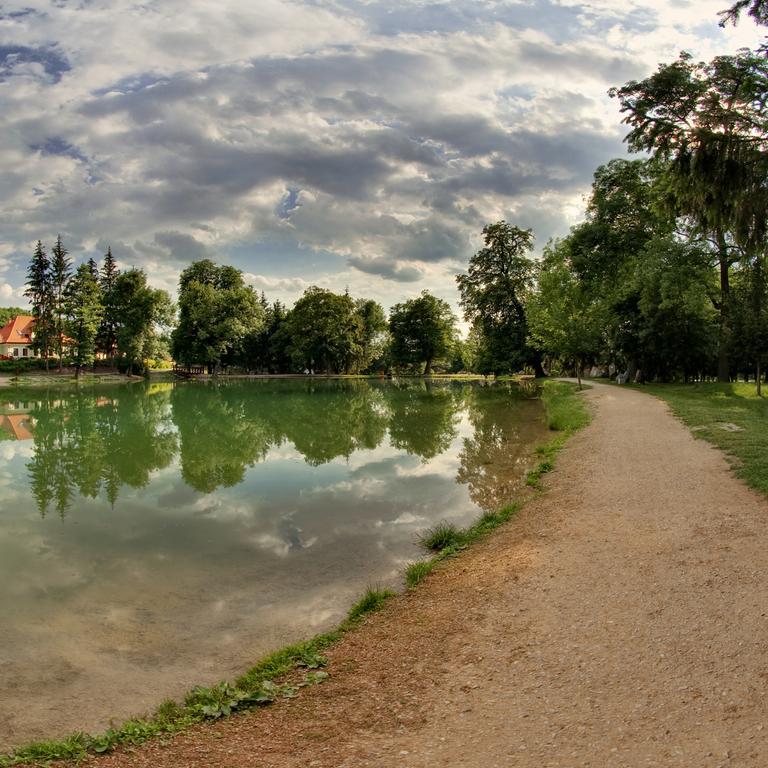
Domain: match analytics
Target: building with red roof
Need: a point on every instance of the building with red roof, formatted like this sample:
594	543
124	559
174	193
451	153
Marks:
16	337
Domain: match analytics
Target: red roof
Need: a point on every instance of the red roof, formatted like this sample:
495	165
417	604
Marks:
18	330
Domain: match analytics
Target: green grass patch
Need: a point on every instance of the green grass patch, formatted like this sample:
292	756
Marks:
416	572
441	536
730	416
260	685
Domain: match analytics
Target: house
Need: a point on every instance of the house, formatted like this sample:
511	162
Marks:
16	337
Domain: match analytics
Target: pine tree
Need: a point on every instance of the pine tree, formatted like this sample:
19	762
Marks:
82	315
93	268
61	271
40	294
106	340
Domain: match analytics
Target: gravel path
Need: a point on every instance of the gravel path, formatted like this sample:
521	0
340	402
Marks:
620	620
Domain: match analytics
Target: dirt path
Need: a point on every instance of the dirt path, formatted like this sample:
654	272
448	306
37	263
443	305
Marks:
619	621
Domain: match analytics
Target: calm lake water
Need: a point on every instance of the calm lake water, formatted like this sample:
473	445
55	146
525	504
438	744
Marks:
161	536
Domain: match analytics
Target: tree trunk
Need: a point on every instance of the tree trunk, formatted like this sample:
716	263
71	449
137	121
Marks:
723	372
578	372
428	367
758	377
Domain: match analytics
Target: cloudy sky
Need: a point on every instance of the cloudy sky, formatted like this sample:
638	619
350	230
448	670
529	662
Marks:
342	143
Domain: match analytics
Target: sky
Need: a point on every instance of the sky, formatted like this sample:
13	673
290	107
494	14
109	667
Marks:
341	143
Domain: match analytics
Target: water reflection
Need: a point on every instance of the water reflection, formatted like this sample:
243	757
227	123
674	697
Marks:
206	524
88	443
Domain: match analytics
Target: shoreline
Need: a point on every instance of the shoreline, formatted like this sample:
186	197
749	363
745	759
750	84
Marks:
258	686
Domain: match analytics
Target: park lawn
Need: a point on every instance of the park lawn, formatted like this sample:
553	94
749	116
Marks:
730	416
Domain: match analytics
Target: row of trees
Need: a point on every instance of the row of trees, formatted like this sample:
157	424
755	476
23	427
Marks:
224	323
93	310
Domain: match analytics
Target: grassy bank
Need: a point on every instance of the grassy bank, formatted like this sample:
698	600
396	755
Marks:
566	413
283	673
729	416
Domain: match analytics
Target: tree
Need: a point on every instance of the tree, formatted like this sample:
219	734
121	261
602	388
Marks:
217	315
373	328
82	315
563	320
493	294
324	332
141	310
757	9
61	271
39	291
708	121
8	313
422	330
107	335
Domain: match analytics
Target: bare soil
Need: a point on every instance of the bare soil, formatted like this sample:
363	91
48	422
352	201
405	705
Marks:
620	620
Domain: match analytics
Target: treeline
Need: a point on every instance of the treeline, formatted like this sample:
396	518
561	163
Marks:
664	279
94	311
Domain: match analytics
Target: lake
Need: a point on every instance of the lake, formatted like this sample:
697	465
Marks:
158	536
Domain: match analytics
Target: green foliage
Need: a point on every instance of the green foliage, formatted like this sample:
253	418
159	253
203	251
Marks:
440	537
141	310
8	313
493	295
422	330
39	291
218	314
416	572
110	321
325	332
373	600
82	311
566	411
564	321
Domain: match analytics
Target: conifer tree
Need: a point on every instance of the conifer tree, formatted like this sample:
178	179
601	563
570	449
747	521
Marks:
107	336
82	314
40	294
61	271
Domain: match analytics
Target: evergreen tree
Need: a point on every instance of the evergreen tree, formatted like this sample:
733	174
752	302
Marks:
82	315
61	271
106	340
40	294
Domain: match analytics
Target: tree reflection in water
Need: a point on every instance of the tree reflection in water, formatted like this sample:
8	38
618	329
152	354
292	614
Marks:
89	442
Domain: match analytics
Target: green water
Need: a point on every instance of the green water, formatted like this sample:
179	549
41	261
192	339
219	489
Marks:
156	537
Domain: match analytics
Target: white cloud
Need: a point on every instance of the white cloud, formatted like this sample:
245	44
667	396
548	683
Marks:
353	143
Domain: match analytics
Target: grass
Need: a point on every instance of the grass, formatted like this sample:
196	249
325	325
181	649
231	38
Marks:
566	413
709	410
255	687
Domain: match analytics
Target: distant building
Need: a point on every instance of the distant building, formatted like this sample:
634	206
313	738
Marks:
16	337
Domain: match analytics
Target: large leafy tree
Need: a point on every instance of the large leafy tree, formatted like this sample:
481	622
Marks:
493	295
39	291
218	313
372	333
708	122
142	310
564	321
324	332
61	271
422	330
82	315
